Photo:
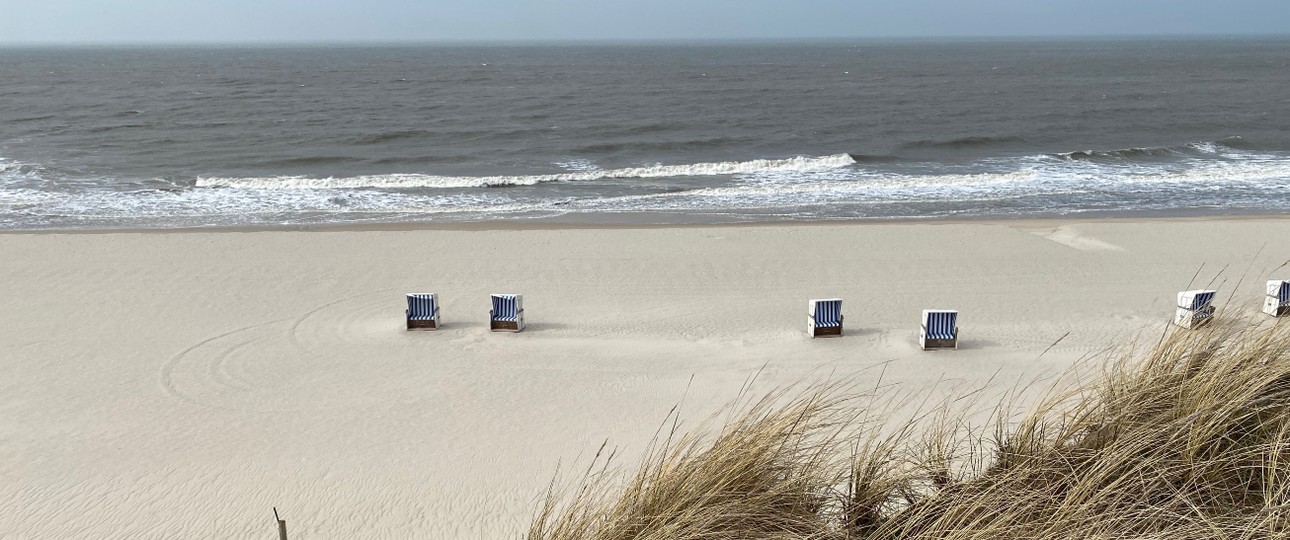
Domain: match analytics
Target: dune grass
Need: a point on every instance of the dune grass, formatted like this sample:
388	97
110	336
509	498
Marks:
1190	439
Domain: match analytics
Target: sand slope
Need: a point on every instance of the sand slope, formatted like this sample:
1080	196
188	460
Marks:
161	385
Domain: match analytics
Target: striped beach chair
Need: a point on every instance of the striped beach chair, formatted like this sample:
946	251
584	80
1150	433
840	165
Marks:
423	311
824	317
940	329
1195	308
507	314
1277	302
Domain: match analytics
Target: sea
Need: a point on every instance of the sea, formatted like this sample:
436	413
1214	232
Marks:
722	132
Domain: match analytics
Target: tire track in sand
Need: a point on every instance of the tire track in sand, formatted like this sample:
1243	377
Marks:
190	361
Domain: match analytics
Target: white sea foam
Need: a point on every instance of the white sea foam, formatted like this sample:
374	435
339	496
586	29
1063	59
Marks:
10	169
1206	147
578	165
1053	179
1025	184
406	181
16	197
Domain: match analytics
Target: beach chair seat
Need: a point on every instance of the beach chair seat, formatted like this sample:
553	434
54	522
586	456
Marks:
1195	308
507	314
824	317
423	311
940	329
1277	302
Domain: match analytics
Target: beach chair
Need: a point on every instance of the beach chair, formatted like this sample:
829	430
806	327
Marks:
507	314
1277	302
824	317
940	329
423	311
1194	308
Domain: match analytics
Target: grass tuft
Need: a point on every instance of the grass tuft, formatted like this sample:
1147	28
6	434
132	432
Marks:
1189	440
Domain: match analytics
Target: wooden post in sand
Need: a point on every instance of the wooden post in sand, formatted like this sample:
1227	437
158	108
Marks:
282	525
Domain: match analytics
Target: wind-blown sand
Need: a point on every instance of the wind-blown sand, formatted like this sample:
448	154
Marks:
165	385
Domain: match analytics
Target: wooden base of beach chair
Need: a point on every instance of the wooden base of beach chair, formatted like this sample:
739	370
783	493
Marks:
940	343
1189	319
1272	306
826	331
1192	323
933	343
504	326
423	325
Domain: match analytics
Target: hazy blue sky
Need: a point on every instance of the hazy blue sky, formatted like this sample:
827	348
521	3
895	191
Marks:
169	21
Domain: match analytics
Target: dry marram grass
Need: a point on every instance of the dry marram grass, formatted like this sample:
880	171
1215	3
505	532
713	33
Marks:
1189	440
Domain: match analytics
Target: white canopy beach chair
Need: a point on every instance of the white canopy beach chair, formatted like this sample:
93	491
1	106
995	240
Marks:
824	317
1277	302
423	311
507	314
1194	308
940	329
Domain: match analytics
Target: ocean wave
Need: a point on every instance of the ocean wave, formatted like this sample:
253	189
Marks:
640	147
11	170
457	134
377	138
815	187
31	118
577	165
420	159
874	158
1226	144
305	161
105	129
16	198
1201	148
411	181
962	142
1123	153
1270	177
1047	187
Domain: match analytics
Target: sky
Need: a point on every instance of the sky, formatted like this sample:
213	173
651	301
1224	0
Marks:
343	21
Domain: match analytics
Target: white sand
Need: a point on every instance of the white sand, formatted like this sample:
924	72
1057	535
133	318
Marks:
165	385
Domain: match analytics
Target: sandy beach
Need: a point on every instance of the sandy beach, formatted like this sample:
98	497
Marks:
180	384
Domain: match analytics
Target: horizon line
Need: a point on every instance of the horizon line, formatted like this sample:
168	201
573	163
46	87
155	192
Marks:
642	41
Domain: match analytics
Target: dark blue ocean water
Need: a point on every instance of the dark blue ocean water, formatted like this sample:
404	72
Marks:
170	137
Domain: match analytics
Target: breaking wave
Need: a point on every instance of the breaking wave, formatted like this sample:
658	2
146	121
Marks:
1203	148
11	171
1268	178
409	181
1211	175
